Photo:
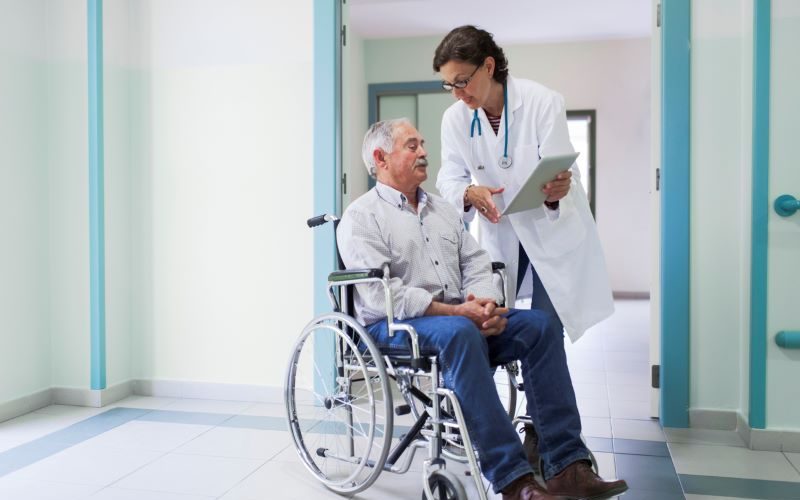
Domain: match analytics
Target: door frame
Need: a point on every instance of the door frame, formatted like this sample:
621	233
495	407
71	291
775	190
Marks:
377	90
759	238
675	122
675	212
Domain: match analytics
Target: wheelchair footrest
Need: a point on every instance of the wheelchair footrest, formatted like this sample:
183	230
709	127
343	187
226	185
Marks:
421	363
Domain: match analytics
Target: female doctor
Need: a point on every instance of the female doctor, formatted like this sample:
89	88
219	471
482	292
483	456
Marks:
495	134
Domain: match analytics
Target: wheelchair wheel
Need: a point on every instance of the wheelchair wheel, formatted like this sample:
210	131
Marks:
339	409
445	486
505	380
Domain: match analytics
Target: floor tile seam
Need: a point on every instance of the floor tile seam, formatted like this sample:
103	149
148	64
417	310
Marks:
62	445
724	445
796	467
762	484
137	469
242	480
227	457
57	445
203	433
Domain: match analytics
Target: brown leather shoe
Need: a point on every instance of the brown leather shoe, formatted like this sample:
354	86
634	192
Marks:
526	488
578	480
531	447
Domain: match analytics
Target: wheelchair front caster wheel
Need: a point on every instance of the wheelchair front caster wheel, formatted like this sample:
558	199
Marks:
445	486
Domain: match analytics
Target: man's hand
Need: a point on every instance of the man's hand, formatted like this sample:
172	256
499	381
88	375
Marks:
558	187
485	314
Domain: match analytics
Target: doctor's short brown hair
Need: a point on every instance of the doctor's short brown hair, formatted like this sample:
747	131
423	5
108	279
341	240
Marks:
474	45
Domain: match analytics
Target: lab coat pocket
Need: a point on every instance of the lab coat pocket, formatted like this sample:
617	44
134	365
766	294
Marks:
563	234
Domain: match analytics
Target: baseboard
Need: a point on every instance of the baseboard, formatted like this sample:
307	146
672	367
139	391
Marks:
621	295
743	428
90	397
207	390
26	404
755	439
719	420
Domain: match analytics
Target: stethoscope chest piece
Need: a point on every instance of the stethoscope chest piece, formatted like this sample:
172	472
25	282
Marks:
505	161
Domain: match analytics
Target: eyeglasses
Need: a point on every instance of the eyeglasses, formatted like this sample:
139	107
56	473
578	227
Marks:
460	84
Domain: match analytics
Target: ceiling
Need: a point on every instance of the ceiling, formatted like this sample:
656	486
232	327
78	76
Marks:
511	21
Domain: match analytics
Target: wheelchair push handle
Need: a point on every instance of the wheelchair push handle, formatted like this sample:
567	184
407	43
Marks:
321	219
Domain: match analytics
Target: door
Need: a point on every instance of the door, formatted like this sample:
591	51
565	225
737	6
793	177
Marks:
424	109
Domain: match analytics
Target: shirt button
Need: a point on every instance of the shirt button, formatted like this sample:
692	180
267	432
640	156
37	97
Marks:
427	239
437	262
445	287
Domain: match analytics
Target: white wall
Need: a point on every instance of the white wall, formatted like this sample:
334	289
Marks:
25	362
720	203
612	77
67	149
118	76
222	185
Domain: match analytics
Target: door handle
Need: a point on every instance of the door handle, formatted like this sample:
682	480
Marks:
786	205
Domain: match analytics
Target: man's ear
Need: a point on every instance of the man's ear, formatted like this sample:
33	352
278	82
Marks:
379	156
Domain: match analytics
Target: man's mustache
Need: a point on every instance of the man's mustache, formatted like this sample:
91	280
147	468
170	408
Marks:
422	162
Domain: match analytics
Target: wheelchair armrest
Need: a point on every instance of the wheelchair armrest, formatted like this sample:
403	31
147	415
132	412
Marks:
354	274
496	266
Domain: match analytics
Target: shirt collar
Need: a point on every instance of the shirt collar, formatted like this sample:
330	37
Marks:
398	199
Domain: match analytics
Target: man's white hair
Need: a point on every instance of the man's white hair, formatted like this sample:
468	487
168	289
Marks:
379	136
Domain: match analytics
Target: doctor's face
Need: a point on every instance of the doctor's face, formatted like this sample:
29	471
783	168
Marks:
478	88
406	167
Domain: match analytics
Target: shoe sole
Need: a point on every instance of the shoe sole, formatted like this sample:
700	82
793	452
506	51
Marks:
607	494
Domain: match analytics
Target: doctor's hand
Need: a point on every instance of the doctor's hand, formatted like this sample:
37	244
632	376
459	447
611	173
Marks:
558	187
480	197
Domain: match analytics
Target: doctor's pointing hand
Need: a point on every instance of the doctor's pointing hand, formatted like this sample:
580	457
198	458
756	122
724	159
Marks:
492	138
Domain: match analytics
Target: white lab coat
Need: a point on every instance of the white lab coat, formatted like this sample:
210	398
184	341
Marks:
563	245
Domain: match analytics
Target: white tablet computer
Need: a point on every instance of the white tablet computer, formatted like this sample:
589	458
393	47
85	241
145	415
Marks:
530	195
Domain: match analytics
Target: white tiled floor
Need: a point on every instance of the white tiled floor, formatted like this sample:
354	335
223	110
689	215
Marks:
154	460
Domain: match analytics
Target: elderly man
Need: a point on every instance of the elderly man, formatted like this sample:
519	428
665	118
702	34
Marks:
441	284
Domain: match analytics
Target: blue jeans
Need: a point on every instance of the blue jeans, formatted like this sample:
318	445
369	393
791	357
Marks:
466	358
539	298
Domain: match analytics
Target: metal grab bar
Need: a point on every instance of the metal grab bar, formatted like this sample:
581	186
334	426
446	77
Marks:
788	339
786	205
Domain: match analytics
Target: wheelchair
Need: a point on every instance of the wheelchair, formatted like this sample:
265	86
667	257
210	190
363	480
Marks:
341	411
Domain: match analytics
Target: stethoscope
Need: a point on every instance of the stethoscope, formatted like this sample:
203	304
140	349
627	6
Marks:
505	161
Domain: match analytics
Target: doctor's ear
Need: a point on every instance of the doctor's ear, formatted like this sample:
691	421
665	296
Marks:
490	64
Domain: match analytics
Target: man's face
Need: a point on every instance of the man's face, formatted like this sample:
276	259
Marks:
406	167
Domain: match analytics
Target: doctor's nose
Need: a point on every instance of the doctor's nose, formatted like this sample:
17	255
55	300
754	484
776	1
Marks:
458	93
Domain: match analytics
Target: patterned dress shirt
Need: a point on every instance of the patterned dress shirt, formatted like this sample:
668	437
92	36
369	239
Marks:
428	254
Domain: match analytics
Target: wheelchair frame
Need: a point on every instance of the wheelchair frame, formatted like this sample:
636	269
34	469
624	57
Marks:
438	426
434	425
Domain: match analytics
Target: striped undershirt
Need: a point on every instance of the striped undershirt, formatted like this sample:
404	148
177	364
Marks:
494	121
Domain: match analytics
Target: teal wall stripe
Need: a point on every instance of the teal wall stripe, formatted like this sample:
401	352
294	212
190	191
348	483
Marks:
97	278
760	214
675	219
327	156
